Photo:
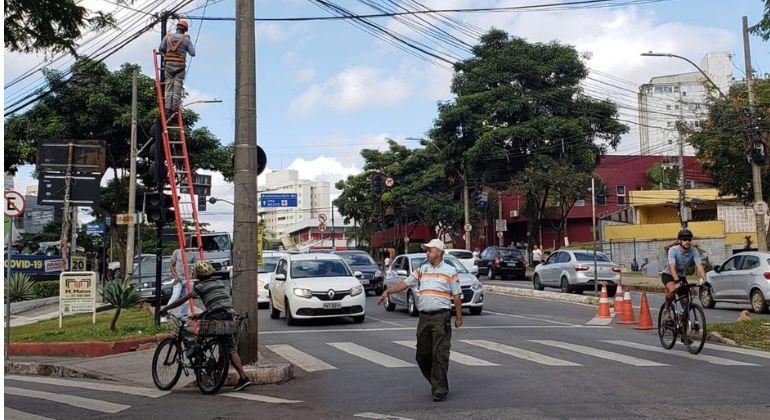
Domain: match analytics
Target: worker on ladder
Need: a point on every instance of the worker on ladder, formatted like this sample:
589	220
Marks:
174	48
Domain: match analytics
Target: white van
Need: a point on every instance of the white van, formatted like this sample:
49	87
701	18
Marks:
217	249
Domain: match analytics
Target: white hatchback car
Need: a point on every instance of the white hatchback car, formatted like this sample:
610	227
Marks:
308	286
265	273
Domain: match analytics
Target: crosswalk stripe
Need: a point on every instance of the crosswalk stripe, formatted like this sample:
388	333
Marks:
604	354
373	356
454	356
260	398
520	353
87	403
11	414
370	415
750	352
144	392
299	358
702	357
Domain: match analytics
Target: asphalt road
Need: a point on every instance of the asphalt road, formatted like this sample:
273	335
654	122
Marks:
522	358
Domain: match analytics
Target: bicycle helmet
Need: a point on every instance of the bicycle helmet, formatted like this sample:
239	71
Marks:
685	234
204	269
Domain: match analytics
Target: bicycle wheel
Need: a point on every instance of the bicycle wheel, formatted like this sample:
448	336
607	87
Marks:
695	329
213	366
167	364
667	331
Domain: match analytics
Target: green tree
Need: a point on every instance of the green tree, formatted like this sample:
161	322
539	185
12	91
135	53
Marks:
762	28
122	294
662	177
49	25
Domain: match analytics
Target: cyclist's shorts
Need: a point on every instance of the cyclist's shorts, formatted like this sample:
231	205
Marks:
667	278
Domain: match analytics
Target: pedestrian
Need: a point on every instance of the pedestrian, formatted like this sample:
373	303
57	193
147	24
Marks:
174	48
634	265
178	282
219	306
537	255
386	264
439	285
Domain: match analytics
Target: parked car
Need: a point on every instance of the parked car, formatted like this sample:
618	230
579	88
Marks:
143	277
316	286
265	272
466	258
572	270
371	275
744	278
403	265
504	262
217	249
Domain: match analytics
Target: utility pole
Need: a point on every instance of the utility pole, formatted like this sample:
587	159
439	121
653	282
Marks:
756	175
334	233
244	284
593	232
74	234
466	210
66	212
132	182
682	193
500	240
157	138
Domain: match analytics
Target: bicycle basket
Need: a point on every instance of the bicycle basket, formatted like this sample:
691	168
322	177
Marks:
217	327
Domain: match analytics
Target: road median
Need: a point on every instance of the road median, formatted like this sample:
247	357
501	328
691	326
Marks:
541	294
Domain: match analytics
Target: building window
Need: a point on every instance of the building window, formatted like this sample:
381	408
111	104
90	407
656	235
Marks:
601	200
621	190
640	187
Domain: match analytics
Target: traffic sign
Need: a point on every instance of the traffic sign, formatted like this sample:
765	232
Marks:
322	218
501	225
406	239
14	203
760	207
499	234
389	182
95	229
278	200
468	227
322	227
125	219
78	263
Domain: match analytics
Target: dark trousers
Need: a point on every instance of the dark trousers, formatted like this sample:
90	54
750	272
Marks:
434	339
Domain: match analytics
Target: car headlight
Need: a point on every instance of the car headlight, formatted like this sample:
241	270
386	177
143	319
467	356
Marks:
378	274
356	290
226	263
145	285
476	286
305	293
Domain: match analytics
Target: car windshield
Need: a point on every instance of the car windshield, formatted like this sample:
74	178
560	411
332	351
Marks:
268	265
319	268
357	259
503	252
589	256
214	242
463	255
147	268
454	262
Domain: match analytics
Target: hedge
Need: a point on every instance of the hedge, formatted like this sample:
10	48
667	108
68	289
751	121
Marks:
44	289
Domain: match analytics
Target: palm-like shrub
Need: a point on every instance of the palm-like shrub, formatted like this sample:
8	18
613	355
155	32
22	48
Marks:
122	295
19	287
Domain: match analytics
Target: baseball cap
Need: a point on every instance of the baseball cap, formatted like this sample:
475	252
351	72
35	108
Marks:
434	243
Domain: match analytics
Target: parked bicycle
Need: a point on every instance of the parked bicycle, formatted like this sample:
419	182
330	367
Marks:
687	322
206	353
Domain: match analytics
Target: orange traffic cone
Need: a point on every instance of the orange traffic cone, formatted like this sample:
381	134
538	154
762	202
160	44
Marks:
645	319
628	310
619	305
604	305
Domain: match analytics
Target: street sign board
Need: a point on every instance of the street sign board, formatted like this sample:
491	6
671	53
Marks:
278	200
95	229
501	225
77	293
88	156
14	203
125	219
78	263
84	189
33	264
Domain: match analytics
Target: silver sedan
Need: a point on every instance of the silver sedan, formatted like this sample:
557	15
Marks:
743	278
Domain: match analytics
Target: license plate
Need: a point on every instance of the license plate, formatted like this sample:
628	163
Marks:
365	282
332	305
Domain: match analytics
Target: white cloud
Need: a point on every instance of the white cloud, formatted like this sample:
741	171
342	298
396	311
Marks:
323	168
352	89
278	32
304	75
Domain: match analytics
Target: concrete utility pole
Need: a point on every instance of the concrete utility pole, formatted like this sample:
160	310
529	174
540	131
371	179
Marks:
466	210
682	192
132	182
500	240
244	283
756	175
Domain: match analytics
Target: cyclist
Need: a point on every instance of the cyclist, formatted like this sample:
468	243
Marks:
219	306
680	256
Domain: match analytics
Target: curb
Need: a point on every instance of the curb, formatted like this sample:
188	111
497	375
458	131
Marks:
648	289
28	305
83	348
516	291
49	369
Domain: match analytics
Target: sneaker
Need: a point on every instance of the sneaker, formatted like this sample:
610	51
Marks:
439	397
242	384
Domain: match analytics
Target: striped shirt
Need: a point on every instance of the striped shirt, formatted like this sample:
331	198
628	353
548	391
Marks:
437	286
213	294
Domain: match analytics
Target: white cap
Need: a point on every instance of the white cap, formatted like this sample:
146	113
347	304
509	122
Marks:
434	243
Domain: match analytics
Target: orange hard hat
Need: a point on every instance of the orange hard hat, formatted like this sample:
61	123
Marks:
183	23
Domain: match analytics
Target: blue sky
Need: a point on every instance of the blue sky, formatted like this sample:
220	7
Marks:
326	89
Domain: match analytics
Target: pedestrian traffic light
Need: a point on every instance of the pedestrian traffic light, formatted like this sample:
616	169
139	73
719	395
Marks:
377	184
155	172
159	207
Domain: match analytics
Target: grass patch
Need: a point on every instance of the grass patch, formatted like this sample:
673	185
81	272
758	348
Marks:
753	333
133	323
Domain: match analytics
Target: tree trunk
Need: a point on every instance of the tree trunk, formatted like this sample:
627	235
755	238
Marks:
115	320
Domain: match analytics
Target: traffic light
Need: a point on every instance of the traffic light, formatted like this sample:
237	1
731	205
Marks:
159	208
377	184
261	160
156	172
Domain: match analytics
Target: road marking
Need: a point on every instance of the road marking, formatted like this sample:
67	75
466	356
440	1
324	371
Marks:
384	321
616	357
369	415
750	352
259	398
530	318
520	353
465	327
144	392
11	414
299	358
87	403
710	359
381	359
454	356
600	321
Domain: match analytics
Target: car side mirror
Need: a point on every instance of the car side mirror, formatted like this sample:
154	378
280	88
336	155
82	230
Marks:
475	270
357	274
717	268
280	277
402	273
